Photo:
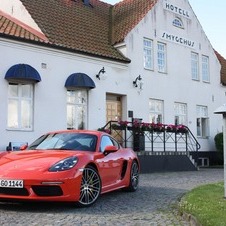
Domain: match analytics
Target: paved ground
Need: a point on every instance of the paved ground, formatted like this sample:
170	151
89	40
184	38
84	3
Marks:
151	205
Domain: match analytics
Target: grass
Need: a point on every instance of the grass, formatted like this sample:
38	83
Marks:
207	204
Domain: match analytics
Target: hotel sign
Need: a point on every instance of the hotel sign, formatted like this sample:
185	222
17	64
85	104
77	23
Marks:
178	39
176	9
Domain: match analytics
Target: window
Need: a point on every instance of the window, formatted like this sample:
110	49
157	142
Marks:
161	57
194	66
180	111
177	22
156	111
148	54
20	106
77	109
202	121
205	69
105	141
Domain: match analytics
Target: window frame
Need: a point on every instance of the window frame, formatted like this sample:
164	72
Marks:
76	107
177	22
148	58
205	69
180	117
195	66
202	119
21	111
157	115
162	57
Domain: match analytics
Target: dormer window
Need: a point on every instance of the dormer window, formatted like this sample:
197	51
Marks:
87	3
177	22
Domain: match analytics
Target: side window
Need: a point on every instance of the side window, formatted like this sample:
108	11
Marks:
161	54
77	109
148	54
20	106
195	66
180	111
202	121
155	111
205	69
106	141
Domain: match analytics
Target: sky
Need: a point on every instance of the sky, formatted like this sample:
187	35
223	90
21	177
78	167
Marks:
211	16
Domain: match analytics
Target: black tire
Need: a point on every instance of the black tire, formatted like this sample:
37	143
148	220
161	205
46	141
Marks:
90	187
134	177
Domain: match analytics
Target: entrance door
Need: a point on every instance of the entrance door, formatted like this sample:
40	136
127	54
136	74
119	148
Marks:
113	108
114	113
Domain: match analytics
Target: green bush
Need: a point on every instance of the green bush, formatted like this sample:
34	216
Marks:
219	143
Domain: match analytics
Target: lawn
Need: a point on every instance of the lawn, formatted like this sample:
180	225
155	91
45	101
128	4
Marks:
207	204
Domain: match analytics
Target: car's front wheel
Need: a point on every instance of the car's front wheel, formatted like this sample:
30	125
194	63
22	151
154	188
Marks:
90	187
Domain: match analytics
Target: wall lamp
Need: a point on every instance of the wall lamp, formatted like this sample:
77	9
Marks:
138	78
102	71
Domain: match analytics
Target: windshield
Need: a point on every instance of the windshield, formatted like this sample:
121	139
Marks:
65	141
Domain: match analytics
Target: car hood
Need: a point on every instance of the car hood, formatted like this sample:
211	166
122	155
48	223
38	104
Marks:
32	161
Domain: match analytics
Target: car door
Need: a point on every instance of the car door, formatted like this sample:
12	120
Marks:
111	164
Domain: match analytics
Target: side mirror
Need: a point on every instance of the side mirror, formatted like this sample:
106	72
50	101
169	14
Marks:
110	149
23	147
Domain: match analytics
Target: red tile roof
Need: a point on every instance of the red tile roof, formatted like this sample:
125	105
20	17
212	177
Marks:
12	27
127	14
222	61
72	25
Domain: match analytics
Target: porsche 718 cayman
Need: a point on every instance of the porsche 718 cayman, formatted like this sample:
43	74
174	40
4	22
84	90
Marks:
69	166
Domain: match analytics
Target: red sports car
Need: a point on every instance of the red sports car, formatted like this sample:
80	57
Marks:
72	166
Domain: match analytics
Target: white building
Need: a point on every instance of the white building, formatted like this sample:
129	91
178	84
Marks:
161	41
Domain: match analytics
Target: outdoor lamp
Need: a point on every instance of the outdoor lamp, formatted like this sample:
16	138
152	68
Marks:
135	82
102	71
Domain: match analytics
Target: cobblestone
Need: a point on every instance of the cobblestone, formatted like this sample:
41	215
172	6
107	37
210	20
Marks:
151	205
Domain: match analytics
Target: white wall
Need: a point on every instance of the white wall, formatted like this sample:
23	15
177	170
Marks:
176	85
50	93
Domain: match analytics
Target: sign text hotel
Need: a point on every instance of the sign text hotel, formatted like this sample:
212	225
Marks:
177	10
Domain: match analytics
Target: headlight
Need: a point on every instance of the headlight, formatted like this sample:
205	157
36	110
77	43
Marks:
64	164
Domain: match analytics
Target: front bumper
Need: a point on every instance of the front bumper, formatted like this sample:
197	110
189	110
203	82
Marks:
61	188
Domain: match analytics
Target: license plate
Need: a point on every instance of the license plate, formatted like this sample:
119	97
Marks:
11	183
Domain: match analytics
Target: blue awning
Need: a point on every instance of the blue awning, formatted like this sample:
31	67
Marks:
22	72
79	80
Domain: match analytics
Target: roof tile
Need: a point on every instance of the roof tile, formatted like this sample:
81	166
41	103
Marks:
222	61
12	27
75	26
127	14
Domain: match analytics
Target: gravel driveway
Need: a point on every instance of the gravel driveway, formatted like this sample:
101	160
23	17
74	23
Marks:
150	205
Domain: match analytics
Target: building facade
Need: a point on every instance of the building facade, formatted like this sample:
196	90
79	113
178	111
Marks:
151	58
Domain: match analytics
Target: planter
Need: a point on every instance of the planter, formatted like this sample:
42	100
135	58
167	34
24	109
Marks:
118	127
147	129
169	130
183	131
159	130
104	130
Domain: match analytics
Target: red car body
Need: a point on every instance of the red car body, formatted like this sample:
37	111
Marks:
73	174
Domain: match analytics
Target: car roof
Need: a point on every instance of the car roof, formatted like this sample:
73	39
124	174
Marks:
93	132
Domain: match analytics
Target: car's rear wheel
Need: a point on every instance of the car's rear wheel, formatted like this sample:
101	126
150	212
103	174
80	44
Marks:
134	177
90	187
